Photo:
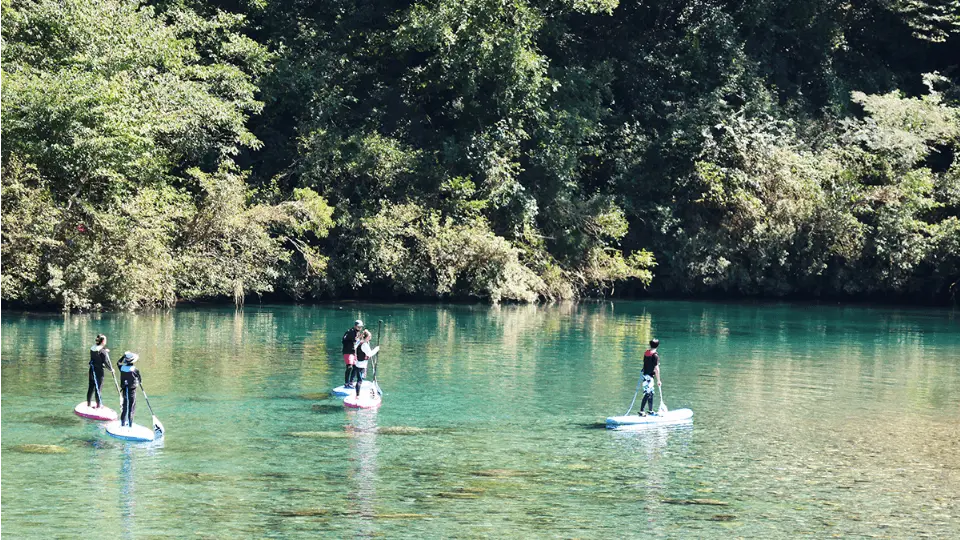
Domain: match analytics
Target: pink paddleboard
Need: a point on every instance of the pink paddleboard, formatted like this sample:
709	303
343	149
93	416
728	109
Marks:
364	402
103	413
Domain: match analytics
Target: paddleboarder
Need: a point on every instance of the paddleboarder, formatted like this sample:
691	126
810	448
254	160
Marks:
363	355
651	370
350	341
129	380
99	358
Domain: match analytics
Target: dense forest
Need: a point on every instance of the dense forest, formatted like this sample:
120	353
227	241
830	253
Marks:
504	150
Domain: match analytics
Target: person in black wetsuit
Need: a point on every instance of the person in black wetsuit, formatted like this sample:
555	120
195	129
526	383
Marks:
363	355
350	341
651	370
129	380
99	358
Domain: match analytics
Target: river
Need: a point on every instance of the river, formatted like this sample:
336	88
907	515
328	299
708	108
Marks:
808	420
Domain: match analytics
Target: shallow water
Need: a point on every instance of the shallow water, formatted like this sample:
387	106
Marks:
809	421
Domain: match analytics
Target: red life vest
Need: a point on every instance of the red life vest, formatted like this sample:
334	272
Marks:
650	361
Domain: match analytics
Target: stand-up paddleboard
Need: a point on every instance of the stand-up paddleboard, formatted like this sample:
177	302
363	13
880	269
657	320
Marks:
103	413
672	417
136	433
367	386
367	400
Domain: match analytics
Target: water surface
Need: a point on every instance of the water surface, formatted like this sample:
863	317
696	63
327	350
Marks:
809	420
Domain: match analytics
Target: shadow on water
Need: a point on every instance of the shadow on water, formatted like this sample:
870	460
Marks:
54	420
316	396
327	409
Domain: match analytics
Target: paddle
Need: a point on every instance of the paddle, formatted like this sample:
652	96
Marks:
635	394
117	384
157	426
663	406
376	359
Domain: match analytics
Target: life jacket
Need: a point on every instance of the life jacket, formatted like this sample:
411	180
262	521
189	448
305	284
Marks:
650	361
97	360
361	354
129	376
350	341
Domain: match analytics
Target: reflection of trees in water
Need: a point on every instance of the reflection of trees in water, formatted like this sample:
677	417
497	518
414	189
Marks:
799	355
450	340
363	455
219	349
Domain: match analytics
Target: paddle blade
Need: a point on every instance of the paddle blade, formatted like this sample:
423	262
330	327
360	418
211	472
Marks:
157	427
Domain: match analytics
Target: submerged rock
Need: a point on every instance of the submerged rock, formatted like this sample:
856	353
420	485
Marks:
704	502
319	434
327	409
404	430
723	517
39	449
55	420
316	396
457	495
304	512
403	516
501	473
192	477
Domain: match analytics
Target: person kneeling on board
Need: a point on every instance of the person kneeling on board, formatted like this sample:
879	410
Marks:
363	356
350	341
99	358
129	380
651	370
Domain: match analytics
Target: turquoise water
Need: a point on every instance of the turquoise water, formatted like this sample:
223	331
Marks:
809	421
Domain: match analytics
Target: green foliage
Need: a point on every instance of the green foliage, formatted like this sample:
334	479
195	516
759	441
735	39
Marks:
506	151
111	113
418	252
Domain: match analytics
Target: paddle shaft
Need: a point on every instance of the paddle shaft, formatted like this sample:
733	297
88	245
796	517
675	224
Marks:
117	384
376	359
635	394
148	399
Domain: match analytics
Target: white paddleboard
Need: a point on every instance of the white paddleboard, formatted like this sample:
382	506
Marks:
672	417
344	391
135	432
93	413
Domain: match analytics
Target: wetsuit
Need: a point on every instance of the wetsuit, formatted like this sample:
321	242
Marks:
349	353
99	358
129	380
361	366
650	362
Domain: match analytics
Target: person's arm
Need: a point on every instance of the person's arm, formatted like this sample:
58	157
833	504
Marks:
106	359
656	373
136	373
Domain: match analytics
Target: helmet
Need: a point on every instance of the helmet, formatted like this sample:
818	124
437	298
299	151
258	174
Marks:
358	322
654	343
